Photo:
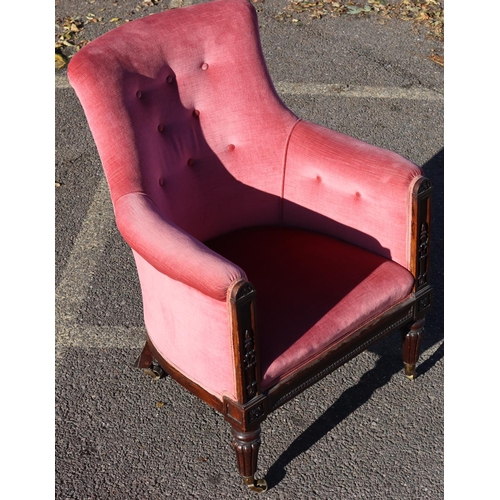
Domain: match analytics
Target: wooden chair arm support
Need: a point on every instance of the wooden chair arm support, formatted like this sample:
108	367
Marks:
420	233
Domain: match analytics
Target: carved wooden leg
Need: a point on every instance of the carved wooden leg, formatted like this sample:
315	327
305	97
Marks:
411	348
148	364
246	445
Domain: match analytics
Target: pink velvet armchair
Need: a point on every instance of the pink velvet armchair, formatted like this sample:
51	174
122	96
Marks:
270	250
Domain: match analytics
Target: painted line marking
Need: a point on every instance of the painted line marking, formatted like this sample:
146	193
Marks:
62	82
79	271
359	91
175	4
335	90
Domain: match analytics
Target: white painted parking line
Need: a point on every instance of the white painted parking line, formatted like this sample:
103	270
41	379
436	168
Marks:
100	337
336	90
174	4
62	82
360	91
87	249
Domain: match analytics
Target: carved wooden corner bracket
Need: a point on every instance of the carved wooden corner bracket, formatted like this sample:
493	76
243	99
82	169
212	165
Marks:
247	416
424	301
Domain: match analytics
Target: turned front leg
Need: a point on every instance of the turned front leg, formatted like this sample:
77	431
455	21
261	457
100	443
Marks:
246	445
411	348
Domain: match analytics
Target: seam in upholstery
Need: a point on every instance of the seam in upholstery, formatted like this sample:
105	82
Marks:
285	155
135	192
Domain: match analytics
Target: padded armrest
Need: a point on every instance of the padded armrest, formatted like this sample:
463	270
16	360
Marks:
172	251
349	189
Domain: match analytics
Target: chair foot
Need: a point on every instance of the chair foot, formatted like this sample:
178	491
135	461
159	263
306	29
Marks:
246	445
155	371
411	348
257	485
149	365
410	371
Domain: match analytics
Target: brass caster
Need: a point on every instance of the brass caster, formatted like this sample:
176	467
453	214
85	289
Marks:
155	371
410	371
257	485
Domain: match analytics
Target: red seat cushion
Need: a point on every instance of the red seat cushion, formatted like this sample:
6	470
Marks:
312	290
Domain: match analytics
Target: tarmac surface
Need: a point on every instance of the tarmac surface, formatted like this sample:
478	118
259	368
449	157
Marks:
364	431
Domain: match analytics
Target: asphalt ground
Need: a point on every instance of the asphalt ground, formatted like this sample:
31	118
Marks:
364	431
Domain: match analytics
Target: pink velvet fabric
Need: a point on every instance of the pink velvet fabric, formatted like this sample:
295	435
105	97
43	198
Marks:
312	290
195	143
190	329
351	190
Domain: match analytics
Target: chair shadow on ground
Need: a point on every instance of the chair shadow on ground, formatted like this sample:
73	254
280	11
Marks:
351	400
389	362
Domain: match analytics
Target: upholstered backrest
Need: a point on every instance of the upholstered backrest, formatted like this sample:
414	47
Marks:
182	108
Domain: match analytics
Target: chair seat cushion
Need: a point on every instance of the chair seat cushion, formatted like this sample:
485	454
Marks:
312	291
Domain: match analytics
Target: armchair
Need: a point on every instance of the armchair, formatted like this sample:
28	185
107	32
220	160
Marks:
270	250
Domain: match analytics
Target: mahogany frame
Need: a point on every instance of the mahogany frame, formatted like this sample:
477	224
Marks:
253	405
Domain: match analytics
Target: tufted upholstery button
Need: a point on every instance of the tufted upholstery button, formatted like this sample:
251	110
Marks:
138	94
230	147
160	181
160	128
204	66
196	113
170	79
190	162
